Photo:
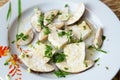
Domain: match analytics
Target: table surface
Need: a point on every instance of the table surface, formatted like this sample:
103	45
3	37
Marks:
113	4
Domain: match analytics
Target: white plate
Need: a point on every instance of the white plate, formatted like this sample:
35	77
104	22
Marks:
97	13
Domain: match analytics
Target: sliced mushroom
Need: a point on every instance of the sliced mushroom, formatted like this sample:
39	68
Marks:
58	25
56	40
49	16
75	56
42	36
35	20
29	37
80	31
98	38
77	15
65	14
35	59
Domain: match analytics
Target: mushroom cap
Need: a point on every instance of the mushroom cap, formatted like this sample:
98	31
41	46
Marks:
75	58
49	16
30	34
77	15
98	38
35	59
35	19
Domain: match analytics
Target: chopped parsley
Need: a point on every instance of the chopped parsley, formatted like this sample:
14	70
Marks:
50	19
59	57
65	68
66	5
107	68
60	73
27	56
41	20
98	49
48	51
6	62
21	36
62	33
13	42
96	60
25	37
46	31
81	40
38	42
59	13
69	35
103	37
84	27
86	65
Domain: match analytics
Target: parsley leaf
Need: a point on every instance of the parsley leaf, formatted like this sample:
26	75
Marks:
13	42
66	5
69	35
25	37
62	33
60	73
103	37
46	31
98	49
41	20
59	57
48	51
96	60
21	36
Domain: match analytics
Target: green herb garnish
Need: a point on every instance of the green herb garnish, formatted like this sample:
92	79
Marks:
86	65
48	51
38	42
13	42
9	11
46	31
81	39
65	68
25	37
50	19
96	60
22	36
69	35
60	73
6	62
107	68
59	13
100	50
62	33
84	27
41	20
66	5
103	37
59	57
19	9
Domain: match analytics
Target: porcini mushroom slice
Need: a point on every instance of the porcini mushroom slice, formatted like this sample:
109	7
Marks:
42	36
35	58
38	15
26	38
77	15
65	14
98	38
58	25
75	56
56	40
49	16
80	31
